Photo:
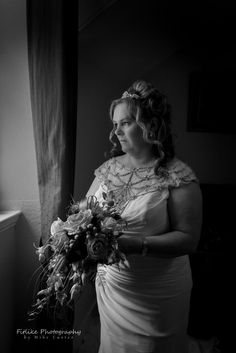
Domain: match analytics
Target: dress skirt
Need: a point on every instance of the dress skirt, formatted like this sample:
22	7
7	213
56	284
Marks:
144	308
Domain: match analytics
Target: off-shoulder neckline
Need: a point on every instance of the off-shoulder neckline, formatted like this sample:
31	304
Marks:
175	172
169	165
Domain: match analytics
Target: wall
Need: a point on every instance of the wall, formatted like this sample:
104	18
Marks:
18	174
163	43
207	153
7	269
94	95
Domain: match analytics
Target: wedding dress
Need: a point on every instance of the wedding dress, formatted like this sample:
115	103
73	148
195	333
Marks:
144	308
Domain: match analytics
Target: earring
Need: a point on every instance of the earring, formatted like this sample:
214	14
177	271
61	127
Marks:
151	134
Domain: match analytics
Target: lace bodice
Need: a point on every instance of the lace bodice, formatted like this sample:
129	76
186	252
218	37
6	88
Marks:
125	184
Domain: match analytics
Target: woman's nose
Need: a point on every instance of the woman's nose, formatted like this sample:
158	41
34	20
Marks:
118	130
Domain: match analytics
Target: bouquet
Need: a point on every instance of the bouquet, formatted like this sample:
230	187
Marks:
75	247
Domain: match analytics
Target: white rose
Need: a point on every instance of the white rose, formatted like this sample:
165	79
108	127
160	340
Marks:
75	221
57	226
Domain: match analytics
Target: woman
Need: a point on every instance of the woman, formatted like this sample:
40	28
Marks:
144	308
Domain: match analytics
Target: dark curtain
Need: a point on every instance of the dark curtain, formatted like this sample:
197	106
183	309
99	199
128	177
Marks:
52	27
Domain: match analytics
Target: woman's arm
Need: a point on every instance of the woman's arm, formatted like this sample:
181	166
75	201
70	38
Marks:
185	214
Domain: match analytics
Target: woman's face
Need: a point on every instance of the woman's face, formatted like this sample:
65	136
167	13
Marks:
128	132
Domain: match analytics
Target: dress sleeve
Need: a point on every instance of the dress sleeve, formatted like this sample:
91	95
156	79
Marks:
99	184
181	174
102	172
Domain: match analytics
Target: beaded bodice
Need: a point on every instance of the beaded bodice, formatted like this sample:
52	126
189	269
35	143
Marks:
124	184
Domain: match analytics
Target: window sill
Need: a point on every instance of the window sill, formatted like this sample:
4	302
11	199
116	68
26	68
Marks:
8	219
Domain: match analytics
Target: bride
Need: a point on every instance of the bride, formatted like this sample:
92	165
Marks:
145	308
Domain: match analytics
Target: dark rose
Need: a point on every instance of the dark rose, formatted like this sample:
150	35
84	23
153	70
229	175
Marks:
98	248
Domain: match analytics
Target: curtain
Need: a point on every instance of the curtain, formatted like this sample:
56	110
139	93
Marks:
52	28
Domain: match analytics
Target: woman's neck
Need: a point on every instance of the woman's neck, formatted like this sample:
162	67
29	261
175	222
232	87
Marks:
139	161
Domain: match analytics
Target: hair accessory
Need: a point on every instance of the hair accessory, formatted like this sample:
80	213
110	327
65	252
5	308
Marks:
130	95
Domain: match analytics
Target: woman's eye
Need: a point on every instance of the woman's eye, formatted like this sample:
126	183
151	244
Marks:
121	124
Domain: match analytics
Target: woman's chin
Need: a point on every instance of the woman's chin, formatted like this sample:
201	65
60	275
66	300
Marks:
123	149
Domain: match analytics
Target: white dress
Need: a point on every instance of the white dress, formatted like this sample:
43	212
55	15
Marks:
144	308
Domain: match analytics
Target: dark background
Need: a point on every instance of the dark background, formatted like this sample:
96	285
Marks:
119	42
187	49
